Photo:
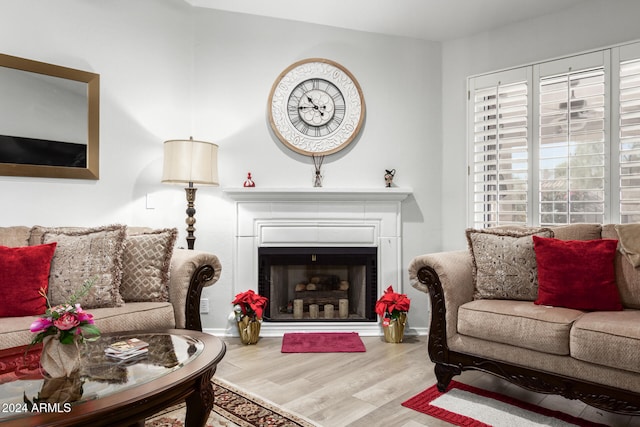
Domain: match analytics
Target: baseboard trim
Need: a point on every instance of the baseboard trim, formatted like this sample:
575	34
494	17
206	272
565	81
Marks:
278	331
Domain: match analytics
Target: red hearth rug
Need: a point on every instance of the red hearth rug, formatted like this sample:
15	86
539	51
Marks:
322	342
465	405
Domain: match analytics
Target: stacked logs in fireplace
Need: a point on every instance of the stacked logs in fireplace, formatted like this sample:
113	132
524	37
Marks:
322	291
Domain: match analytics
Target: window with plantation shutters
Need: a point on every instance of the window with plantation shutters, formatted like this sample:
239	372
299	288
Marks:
629	124
557	142
500	171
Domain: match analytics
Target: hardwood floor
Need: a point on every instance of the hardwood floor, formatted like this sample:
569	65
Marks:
365	389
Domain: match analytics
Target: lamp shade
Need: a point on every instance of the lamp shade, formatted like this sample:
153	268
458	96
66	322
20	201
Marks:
189	161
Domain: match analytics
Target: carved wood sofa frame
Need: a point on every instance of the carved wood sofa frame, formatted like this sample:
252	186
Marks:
192	306
451	363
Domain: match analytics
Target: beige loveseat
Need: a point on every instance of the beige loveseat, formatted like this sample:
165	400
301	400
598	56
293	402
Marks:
142	282
593	356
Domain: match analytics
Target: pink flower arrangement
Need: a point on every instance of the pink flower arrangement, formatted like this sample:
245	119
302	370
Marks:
391	304
249	304
68	321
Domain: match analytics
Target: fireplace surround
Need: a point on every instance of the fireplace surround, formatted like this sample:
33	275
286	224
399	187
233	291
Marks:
318	218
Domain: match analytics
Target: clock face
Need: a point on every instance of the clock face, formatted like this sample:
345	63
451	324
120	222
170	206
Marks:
316	107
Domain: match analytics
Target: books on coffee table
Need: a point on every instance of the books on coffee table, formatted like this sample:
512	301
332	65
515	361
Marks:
127	349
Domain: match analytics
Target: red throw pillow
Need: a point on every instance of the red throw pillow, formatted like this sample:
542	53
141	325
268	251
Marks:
578	274
23	271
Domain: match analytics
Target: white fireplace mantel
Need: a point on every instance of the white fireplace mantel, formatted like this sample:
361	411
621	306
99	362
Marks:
316	217
242	194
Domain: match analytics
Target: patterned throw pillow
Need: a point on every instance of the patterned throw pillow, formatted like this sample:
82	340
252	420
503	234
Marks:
504	262
81	255
147	259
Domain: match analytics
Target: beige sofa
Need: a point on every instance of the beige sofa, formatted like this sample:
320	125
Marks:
593	356
146	283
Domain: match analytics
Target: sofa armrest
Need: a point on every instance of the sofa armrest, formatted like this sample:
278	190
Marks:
448	279
190	272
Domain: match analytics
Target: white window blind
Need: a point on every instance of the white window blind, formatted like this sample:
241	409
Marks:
500	154
629	141
572	148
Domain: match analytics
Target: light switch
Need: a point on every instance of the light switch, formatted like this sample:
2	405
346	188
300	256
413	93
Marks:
150	201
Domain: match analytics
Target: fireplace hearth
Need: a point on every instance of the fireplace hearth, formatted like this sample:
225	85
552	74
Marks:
318	284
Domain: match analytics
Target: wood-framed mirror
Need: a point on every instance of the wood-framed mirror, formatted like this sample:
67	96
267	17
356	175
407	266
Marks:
49	120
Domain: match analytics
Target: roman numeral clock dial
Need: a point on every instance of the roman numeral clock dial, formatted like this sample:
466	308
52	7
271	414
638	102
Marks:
316	107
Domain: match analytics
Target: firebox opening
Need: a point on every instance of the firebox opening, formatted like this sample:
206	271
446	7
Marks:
318	284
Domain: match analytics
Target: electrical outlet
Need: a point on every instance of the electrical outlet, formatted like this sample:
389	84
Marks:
204	306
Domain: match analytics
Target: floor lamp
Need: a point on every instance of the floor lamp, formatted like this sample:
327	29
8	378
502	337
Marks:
190	162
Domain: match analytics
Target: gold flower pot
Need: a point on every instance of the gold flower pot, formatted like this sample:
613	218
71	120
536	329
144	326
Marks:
249	329
395	331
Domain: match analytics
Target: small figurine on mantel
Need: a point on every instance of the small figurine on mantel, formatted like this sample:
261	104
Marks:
249	182
388	177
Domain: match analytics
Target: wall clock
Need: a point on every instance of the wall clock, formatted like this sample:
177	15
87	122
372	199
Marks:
316	107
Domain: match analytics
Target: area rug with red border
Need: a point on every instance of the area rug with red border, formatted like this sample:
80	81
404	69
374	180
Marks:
465	405
322	342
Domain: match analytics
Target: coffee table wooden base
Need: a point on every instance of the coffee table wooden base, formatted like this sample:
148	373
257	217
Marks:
200	403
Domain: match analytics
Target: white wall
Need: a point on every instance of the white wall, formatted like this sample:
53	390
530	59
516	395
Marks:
593	24
172	71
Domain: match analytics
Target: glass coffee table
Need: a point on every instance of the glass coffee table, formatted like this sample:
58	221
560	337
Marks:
105	391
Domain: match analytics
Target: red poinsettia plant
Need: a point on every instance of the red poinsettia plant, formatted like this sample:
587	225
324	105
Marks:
249	304
392	304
